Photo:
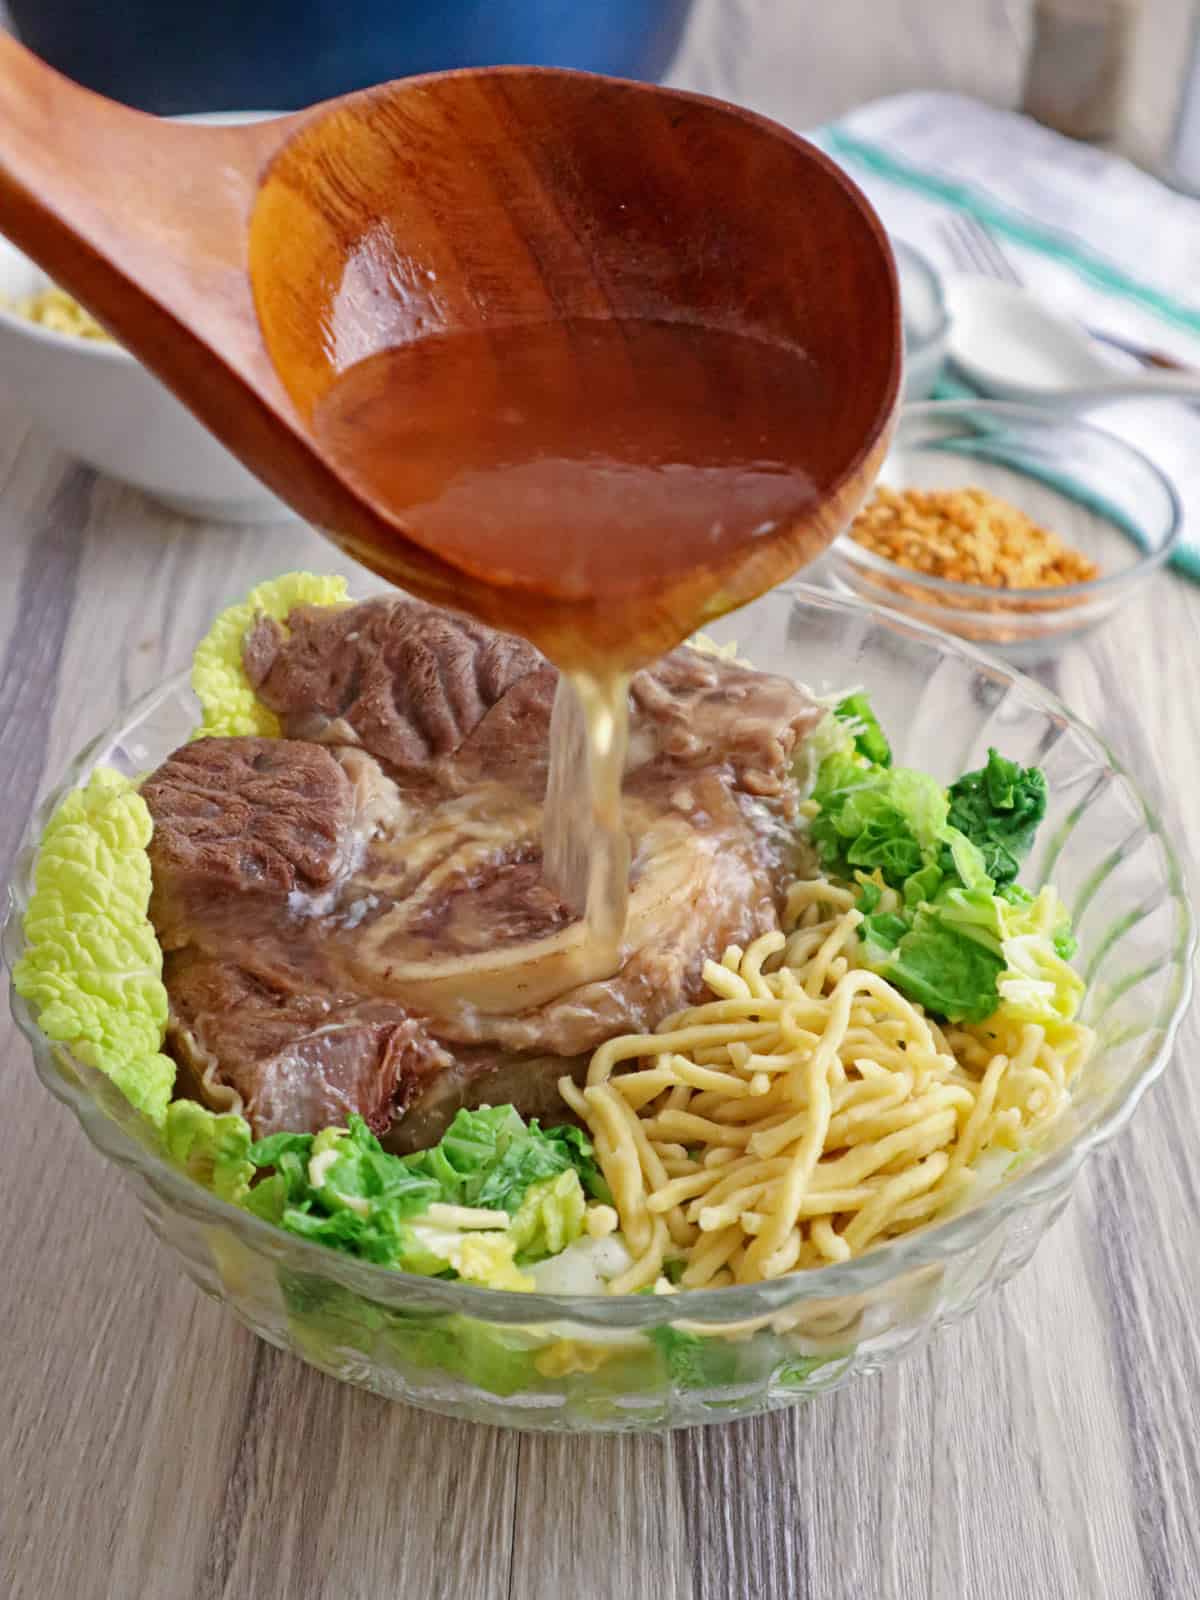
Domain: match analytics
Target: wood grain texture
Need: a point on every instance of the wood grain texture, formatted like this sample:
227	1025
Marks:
1044	1450
464	205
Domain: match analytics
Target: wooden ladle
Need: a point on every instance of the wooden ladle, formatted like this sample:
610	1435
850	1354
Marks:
250	266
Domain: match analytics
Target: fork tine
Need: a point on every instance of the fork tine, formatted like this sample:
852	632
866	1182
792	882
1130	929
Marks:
973	248
958	243
1005	268
948	239
976	247
993	258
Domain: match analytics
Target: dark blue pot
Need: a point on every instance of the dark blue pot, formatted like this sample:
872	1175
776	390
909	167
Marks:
278	55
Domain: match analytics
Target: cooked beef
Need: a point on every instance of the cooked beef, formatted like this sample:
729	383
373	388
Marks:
509	902
483	1075
423	690
257	818
407	681
706	712
295	1057
362	923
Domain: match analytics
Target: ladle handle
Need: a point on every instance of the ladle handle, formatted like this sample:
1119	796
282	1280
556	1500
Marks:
142	220
145	222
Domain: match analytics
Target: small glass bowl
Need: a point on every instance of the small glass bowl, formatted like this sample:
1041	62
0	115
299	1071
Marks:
634	1362
925	320
1092	489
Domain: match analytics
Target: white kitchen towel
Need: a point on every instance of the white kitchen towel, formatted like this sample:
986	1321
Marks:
1087	231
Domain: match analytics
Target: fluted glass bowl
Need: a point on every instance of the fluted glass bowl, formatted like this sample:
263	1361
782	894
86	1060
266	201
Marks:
538	1361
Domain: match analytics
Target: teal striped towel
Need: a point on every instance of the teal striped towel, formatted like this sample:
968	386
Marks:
1088	232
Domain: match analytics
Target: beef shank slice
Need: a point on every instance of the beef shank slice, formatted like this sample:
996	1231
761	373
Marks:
336	904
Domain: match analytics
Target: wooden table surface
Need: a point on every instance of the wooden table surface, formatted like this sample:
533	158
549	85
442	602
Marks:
1045	1450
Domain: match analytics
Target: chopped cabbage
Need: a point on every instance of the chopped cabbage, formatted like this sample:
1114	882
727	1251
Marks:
550	1217
585	1267
491	1156
869	816
832	736
340	1188
955	933
488	1259
999	808
212	1147
1037	985
856	711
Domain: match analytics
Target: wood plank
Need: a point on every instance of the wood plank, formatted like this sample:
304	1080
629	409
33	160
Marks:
600	1516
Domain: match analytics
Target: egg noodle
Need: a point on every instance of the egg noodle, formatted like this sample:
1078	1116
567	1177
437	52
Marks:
806	1112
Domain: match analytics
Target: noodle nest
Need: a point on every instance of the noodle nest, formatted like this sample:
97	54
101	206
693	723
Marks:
808	1111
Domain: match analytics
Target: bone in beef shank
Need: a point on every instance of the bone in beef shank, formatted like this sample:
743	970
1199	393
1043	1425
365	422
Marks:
354	915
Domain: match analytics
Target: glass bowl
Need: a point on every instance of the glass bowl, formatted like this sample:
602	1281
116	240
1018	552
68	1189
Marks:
637	1362
925	320
1074	479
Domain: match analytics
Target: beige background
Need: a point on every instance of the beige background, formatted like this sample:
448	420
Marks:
805	60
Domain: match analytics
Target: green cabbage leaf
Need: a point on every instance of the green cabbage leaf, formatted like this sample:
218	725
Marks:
92	966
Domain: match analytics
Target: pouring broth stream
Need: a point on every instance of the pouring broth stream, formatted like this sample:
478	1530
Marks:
657	473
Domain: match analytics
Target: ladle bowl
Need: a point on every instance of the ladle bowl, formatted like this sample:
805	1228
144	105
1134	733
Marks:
249	267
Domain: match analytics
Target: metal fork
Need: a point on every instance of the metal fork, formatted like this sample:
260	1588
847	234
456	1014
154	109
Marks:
973	248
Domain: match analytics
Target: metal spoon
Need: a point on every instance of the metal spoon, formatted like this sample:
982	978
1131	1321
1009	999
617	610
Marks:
1010	346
